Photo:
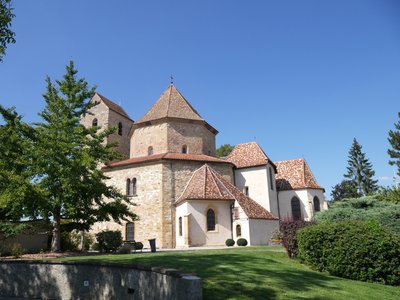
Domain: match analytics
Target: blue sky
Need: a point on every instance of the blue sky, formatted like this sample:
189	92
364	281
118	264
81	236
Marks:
302	78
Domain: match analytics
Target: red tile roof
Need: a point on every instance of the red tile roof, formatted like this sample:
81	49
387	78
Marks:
295	174
113	106
173	105
166	156
207	184
249	155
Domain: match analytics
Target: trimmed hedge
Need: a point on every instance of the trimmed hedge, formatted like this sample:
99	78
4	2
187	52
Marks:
229	242
109	240
360	250
241	242
288	229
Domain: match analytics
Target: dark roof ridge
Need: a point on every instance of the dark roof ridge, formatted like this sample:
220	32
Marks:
113	106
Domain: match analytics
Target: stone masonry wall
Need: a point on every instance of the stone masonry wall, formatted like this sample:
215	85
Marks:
124	139
99	111
152	135
197	138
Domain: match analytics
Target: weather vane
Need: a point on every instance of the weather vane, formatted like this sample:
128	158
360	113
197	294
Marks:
172	79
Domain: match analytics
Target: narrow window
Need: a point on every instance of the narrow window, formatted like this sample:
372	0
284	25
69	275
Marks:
120	128
238	230
210	220
271	180
150	150
180	226
184	149
246	190
128	187
129	232
134	186
296	210
317	206
94	122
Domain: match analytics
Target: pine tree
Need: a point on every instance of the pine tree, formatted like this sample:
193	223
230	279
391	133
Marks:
394	140
360	170
68	157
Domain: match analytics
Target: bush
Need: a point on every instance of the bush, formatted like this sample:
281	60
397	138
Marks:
389	194
138	246
241	242
360	250
109	240
68	242
229	242
17	250
125	249
288	229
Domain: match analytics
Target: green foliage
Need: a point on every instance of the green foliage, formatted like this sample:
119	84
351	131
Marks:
276	235
357	250
224	150
360	170
109	240
389	194
125	249
69	241
17	250
138	246
394	140
241	242
7	36
229	242
385	213
288	228
345	189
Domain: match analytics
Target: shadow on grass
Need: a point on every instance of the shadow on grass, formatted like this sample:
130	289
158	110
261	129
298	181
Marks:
238	276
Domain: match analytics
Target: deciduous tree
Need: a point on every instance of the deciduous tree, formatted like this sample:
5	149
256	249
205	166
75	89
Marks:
7	36
224	150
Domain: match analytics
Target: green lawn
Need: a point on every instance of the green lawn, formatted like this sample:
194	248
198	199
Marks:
255	273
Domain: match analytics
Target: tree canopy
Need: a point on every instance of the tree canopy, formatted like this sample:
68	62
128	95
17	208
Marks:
394	140
7	36
224	150
345	189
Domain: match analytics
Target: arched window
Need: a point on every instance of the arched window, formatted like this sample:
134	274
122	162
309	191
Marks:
317	206
129	232
210	220
184	149
128	187
120	128
150	150
271	180
95	122
134	186
238	230
180	226
296	210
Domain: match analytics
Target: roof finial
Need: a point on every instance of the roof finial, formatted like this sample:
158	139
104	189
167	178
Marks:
172	79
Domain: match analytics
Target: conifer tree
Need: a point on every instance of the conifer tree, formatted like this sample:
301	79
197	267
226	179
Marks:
360	170
394	140
68	157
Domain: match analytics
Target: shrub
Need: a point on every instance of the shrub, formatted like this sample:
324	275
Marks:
241	242
109	240
276	236
389	194
229	242
288	229
125	249
138	246
17	250
68	242
360	250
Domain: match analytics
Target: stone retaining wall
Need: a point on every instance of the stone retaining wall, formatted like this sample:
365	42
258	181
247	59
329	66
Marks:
84	280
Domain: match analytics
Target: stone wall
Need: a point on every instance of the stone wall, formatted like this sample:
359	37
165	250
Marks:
152	135
124	139
99	112
73	280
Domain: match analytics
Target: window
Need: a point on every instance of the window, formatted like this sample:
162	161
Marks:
134	188
150	150
129	232
210	220
238	230
296	210
184	149
95	122
317	206
120	128
180	226
271	181
246	190
129	187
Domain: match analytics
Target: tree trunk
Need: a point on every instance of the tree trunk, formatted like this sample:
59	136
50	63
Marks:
56	241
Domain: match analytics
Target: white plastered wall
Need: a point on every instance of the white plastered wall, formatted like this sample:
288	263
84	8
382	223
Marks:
306	197
261	231
260	190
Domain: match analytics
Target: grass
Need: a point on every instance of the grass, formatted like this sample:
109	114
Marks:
255	273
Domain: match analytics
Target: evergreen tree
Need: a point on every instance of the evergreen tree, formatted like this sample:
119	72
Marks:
394	140
360	170
345	189
68	157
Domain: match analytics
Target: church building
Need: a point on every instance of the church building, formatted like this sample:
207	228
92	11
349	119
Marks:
183	194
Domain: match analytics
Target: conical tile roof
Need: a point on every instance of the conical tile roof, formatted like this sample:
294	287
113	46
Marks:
207	184
248	155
